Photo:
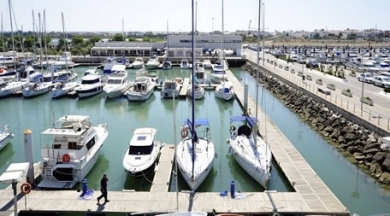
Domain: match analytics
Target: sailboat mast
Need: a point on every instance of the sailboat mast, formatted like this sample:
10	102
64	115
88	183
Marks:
167	55
174	141
263	33
44	36
223	44
193	88
34	33
2	33
12	33
257	76
66	41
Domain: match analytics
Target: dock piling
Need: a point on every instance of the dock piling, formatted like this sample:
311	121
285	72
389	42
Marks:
28	155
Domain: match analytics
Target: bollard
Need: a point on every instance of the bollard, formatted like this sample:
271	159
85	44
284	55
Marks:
232	189
84	186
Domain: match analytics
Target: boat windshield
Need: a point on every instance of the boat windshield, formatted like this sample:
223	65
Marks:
86	82
141	150
114	81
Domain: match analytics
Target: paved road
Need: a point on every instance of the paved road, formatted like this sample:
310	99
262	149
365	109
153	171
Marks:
381	106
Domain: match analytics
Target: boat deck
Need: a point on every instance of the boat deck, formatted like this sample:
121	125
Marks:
163	173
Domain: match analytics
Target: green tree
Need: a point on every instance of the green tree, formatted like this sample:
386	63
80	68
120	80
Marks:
132	39
95	39
77	40
61	43
29	42
146	39
340	35
117	37
316	35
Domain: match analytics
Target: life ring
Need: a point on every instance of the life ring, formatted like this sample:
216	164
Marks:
25	188
66	158
1	70
184	132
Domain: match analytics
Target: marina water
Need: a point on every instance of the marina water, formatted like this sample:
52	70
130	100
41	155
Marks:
357	191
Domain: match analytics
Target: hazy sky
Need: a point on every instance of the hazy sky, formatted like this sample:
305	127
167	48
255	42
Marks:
153	15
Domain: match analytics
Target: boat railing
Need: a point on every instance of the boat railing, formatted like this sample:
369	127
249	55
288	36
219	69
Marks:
52	153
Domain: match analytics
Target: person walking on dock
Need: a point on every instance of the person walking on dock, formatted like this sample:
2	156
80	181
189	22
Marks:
103	189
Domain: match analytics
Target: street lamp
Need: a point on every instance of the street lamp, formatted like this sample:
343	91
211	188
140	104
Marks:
212	27
361	99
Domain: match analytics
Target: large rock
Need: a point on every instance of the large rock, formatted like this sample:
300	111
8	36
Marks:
379	157
350	137
376	169
386	163
385	177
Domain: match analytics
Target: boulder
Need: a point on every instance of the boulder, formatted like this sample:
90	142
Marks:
328	129
376	169
371	145
370	151
350	137
379	157
385	177
386	163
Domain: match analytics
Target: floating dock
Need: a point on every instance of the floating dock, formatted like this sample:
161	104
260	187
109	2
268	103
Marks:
184	88
164	167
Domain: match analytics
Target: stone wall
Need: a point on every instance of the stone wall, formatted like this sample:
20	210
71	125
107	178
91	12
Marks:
362	143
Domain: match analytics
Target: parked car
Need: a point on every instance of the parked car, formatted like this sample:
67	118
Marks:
365	77
382	81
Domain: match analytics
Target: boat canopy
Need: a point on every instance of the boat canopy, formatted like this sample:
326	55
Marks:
198	122
251	120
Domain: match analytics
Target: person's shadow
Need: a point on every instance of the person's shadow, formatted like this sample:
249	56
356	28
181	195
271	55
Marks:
100	207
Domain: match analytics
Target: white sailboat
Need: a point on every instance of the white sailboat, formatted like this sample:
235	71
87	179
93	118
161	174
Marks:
195	153
37	87
225	90
248	148
71	152
167	64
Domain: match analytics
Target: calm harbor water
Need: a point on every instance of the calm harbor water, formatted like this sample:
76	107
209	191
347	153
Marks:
357	191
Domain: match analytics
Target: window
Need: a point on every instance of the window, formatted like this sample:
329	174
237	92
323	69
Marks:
141	150
90	143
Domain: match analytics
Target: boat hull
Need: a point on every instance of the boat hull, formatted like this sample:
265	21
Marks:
131	96
89	93
27	92
116	92
4	139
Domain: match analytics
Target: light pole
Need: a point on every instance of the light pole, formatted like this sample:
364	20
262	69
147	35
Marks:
212	26
361	99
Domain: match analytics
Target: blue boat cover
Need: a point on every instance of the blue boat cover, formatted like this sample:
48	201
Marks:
198	122
251	120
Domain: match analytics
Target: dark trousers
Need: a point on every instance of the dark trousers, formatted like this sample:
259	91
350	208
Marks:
104	194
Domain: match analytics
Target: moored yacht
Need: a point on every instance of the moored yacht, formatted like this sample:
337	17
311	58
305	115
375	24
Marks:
207	64
249	149
225	90
218	73
167	64
142	89
138	63
70	150
184	64
170	89
37	87
198	92
9	88
117	83
141	156
200	73
5	136
153	62
90	85
65	61
64	85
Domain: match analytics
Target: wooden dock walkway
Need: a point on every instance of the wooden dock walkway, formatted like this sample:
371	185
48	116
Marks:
164	169
184	88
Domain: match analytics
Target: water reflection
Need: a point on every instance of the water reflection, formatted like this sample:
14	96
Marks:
101	167
141	109
138	184
6	155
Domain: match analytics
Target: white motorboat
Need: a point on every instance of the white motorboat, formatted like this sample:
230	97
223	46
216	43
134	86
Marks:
153	62
7	75
198	92
117	83
28	73
207	64
249	149
200	73
90	71
70	150
5	136
170	89
142	89
141	156
195	153
138	63
184	64
38	87
218	73
90	85
108	64
225	91
167	64
65	61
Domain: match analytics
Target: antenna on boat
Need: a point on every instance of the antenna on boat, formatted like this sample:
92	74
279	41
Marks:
54	120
